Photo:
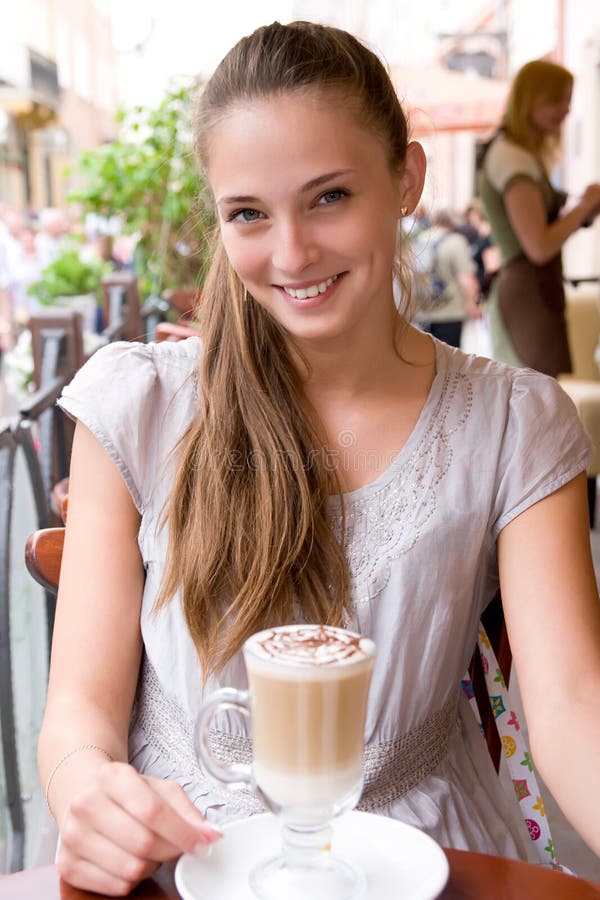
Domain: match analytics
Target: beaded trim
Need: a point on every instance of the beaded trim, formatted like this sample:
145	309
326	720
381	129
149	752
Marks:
388	522
392	768
166	728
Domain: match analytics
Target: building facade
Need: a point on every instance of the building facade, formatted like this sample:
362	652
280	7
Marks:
58	94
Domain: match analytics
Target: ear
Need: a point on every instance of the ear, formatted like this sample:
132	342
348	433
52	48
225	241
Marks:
412	178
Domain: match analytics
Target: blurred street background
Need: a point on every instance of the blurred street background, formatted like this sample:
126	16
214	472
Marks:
86	195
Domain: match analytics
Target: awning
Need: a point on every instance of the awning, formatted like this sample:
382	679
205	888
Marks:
438	99
30	108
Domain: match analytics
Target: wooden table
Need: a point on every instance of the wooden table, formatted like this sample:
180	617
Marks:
473	876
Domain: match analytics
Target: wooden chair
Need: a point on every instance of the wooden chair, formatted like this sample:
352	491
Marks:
495	626
44	547
169	331
121	307
57	342
43	556
57	345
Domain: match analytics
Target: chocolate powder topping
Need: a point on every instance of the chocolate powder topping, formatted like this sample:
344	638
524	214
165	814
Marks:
314	645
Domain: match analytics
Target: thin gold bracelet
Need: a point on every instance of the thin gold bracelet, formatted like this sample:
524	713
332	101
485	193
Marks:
64	759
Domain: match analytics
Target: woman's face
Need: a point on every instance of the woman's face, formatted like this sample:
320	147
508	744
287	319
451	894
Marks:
548	115
308	210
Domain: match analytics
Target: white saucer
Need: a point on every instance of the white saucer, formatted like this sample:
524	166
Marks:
398	860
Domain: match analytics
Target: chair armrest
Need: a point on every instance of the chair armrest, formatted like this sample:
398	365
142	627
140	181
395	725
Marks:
43	556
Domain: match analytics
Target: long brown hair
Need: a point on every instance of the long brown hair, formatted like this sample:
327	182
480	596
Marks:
250	541
539	79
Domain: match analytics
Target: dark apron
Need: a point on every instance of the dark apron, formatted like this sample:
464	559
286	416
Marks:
531	299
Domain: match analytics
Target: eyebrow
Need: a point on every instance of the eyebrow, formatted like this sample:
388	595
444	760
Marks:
309	186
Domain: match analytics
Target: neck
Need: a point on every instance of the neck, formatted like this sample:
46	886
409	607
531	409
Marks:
342	373
346	366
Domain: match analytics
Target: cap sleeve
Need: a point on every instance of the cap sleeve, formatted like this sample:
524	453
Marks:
506	162
544	446
114	395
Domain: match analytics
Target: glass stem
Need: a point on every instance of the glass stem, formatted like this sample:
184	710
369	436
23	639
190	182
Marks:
306	847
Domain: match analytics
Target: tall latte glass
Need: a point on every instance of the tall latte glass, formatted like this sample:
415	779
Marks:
307	698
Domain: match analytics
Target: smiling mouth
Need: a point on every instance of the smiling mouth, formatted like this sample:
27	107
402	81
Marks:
312	291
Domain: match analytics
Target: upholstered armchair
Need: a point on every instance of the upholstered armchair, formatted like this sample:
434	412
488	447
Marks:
583	384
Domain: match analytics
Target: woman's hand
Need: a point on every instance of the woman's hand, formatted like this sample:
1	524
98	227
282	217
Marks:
527	215
591	202
122	826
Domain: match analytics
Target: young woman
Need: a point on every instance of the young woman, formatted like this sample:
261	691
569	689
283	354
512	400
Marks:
524	209
313	457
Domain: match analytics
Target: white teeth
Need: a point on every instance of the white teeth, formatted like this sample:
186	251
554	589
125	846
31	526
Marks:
313	291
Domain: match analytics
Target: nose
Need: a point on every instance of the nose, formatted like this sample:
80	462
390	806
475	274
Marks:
294	247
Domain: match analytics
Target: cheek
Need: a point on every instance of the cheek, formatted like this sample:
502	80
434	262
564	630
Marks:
372	235
243	255
544	116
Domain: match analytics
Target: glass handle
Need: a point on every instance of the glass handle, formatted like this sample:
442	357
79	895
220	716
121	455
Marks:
236	774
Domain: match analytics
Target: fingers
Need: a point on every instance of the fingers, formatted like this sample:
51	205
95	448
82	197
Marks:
183	806
161	806
123	826
96	818
118	881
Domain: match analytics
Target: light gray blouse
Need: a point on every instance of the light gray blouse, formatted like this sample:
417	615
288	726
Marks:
421	546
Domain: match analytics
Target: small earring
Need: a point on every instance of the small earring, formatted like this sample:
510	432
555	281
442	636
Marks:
403	210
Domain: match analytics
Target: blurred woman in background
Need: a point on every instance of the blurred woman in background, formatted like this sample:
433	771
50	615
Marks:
524	210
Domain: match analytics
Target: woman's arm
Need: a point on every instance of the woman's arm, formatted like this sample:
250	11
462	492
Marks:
527	216
116	826
553	618
96	647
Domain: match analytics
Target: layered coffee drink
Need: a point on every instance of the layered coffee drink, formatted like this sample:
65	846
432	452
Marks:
307	698
308	687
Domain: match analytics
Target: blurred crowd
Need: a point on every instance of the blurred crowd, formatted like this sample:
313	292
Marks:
31	241
466	261
27	244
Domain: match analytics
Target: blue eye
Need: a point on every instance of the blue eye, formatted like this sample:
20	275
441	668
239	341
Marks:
332	196
245	215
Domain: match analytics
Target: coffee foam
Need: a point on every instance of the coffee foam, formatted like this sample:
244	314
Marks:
309	646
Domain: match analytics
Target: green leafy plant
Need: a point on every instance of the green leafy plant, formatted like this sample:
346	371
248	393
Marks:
68	276
148	178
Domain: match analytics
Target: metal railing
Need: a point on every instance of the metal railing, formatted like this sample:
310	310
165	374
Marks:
41	433
16	435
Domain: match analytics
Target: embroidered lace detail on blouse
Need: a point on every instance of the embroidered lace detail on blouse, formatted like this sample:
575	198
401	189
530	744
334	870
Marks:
392	768
388	522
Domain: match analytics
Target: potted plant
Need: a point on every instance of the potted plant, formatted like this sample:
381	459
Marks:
73	281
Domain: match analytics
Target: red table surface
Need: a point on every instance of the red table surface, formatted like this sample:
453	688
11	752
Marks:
473	876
